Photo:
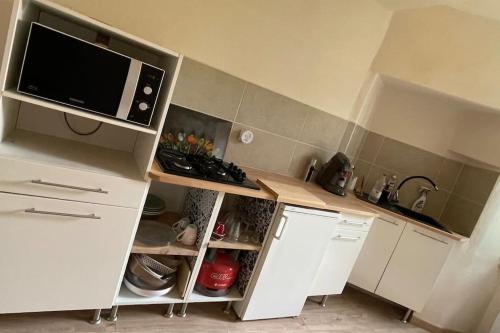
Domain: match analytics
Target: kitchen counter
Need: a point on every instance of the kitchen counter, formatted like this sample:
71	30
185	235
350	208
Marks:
293	191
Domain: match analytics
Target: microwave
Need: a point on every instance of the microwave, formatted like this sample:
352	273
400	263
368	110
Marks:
68	70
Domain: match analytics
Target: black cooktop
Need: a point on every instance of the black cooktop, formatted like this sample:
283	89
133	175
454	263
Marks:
202	167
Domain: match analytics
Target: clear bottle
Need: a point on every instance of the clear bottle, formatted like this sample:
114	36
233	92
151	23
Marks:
377	189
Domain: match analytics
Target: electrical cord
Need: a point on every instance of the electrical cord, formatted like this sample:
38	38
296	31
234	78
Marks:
81	133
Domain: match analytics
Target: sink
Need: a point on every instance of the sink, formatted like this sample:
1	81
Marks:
406	212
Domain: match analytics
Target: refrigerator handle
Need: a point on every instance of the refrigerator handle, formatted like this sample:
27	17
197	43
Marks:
281	227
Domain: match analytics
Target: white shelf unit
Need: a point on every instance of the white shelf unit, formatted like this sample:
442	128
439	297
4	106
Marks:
232	296
126	297
204	208
23	112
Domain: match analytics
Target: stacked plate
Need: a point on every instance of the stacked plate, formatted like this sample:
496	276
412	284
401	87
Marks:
154	206
150	276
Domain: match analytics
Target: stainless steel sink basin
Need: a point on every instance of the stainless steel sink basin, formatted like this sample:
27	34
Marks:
403	211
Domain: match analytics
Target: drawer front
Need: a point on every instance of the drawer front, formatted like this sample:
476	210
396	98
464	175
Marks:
61	255
354	222
24	177
338	261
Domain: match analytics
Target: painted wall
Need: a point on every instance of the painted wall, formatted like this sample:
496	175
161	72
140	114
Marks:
317	52
491	318
444	49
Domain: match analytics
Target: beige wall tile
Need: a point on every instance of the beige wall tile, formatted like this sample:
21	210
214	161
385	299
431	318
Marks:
272	112
408	160
370	146
303	155
436	203
461	215
266	152
352	140
323	130
448	174
208	90
475	184
362	169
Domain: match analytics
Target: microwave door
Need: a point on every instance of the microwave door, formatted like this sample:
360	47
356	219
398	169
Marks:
64	69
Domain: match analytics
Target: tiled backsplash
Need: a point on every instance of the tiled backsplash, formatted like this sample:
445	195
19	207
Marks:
463	189
287	133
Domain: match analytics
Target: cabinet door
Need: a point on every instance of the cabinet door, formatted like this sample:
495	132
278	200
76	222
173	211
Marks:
376	252
56	255
337	263
414	267
289	265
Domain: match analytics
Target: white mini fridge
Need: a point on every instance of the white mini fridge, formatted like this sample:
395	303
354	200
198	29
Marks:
287	268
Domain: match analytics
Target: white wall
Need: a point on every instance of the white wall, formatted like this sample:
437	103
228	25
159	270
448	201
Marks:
318	52
491	318
445	49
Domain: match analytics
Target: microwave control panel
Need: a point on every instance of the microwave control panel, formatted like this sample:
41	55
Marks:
146	93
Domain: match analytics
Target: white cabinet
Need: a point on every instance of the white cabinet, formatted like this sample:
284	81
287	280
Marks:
60	254
338	260
414	267
291	257
377	250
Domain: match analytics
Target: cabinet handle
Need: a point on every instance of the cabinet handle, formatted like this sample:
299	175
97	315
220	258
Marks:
434	238
89	216
281	227
359	224
97	190
389	221
346	238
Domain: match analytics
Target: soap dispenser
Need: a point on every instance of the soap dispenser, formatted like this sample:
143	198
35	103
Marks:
419	203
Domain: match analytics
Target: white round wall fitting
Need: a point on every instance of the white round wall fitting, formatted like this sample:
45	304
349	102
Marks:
246	136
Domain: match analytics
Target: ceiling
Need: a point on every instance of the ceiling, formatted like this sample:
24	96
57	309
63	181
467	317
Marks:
487	8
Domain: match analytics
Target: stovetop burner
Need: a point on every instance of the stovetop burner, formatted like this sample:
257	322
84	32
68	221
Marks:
202	167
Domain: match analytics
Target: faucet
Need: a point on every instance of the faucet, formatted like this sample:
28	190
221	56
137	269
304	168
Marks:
394	196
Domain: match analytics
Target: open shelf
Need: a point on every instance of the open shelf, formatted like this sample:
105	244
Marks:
67	109
126	297
172	249
223	244
233	295
68	153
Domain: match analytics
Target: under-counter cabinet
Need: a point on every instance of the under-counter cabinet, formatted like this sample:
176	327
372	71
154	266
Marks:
401	261
414	267
291	258
61	254
377	250
341	253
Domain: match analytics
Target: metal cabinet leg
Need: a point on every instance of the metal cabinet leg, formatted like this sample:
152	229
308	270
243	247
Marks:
323	301
227	308
96	318
113	315
170	311
407	316
182	312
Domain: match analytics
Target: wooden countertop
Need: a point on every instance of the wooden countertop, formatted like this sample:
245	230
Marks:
292	191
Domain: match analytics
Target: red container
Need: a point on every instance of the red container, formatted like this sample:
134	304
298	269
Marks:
217	275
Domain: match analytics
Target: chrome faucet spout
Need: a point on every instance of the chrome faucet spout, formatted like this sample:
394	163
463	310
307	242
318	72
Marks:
394	197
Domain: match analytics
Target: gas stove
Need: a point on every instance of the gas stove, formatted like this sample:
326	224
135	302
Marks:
202	167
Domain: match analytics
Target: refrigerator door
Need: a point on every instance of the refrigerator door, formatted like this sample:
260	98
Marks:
287	268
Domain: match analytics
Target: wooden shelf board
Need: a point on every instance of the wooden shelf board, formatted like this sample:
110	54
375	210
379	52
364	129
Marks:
46	149
74	111
172	249
234	295
223	244
126	297
158	175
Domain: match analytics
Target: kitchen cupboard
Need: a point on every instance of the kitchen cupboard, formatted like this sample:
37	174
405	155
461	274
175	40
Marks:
414	267
342	251
377	250
292	255
61	254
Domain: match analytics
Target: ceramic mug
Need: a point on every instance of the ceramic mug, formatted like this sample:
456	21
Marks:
180	225
188	235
